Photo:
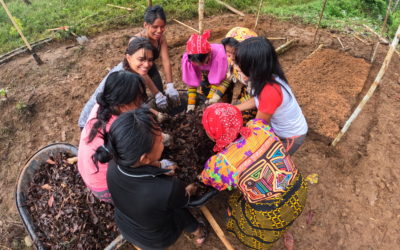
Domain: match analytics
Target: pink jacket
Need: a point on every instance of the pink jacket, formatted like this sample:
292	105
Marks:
94	181
217	68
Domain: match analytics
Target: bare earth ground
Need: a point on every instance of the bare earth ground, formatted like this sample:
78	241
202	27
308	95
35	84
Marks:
355	204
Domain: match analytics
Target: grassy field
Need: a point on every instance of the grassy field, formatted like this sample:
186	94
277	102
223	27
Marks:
89	17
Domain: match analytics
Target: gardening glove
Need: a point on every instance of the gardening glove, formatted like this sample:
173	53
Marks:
215	98
190	107
161	101
161	117
167	164
166	139
172	93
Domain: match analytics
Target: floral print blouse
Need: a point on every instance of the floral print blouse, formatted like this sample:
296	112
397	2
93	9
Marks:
222	171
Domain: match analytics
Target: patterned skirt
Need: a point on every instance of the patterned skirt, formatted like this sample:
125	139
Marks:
259	225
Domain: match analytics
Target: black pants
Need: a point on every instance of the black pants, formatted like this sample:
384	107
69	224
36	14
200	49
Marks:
183	219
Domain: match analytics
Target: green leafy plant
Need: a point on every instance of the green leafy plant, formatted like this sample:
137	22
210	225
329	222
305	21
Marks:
3	93
21	106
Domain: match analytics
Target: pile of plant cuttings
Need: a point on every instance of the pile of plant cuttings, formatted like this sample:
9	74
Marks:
64	212
190	147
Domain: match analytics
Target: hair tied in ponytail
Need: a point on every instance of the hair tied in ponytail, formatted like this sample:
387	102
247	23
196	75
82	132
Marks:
106	149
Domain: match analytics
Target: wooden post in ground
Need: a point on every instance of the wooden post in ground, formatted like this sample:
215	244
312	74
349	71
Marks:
386	18
320	18
258	14
383	40
382	30
201	16
216	227
372	89
36	57
283	48
149	3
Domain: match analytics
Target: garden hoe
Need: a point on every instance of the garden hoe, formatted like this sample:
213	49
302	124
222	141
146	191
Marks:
80	39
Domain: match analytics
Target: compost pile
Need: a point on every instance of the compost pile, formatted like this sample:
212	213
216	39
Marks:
190	147
65	214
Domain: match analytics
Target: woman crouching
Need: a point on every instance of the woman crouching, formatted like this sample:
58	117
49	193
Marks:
150	205
271	192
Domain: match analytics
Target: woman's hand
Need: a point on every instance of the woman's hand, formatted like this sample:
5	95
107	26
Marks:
249	104
172	93
167	164
161	100
191	189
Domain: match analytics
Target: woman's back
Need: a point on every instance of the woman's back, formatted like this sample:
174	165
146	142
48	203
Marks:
94	178
258	165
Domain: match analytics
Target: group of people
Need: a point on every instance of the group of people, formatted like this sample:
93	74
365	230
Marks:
121	144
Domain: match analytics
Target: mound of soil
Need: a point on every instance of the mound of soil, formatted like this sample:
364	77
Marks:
190	147
326	85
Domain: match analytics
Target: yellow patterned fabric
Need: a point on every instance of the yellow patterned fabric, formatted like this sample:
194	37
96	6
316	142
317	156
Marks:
259	225
218	89
221	170
192	93
238	164
209	89
241	33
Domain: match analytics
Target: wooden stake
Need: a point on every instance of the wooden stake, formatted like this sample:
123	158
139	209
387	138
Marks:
216	227
149	3
201	16
360	39
187	26
258	14
372	89
36	57
277	38
120	7
340	41
283	48
374	53
395	5
320	18
315	51
386	17
385	41
230	8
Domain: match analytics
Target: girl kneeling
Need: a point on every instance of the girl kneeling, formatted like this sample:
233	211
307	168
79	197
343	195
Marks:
149	204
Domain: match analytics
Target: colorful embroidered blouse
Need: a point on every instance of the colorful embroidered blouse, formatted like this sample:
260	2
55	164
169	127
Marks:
260	160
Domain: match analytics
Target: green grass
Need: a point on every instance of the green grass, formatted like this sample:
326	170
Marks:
88	17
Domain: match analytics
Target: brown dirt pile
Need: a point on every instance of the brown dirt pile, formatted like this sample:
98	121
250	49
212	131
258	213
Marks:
326	85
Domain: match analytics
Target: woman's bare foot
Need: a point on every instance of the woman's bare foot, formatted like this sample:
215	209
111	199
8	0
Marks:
288	240
200	234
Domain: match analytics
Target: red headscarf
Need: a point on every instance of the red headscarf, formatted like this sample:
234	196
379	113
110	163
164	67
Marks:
198	44
223	122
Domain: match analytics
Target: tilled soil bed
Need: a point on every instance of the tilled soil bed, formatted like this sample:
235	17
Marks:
326	85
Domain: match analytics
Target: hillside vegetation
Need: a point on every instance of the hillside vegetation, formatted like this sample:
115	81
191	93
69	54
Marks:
93	16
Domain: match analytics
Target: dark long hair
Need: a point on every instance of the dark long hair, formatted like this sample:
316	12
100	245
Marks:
197	58
134	45
154	12
130	136
121	88
257	59
229	41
